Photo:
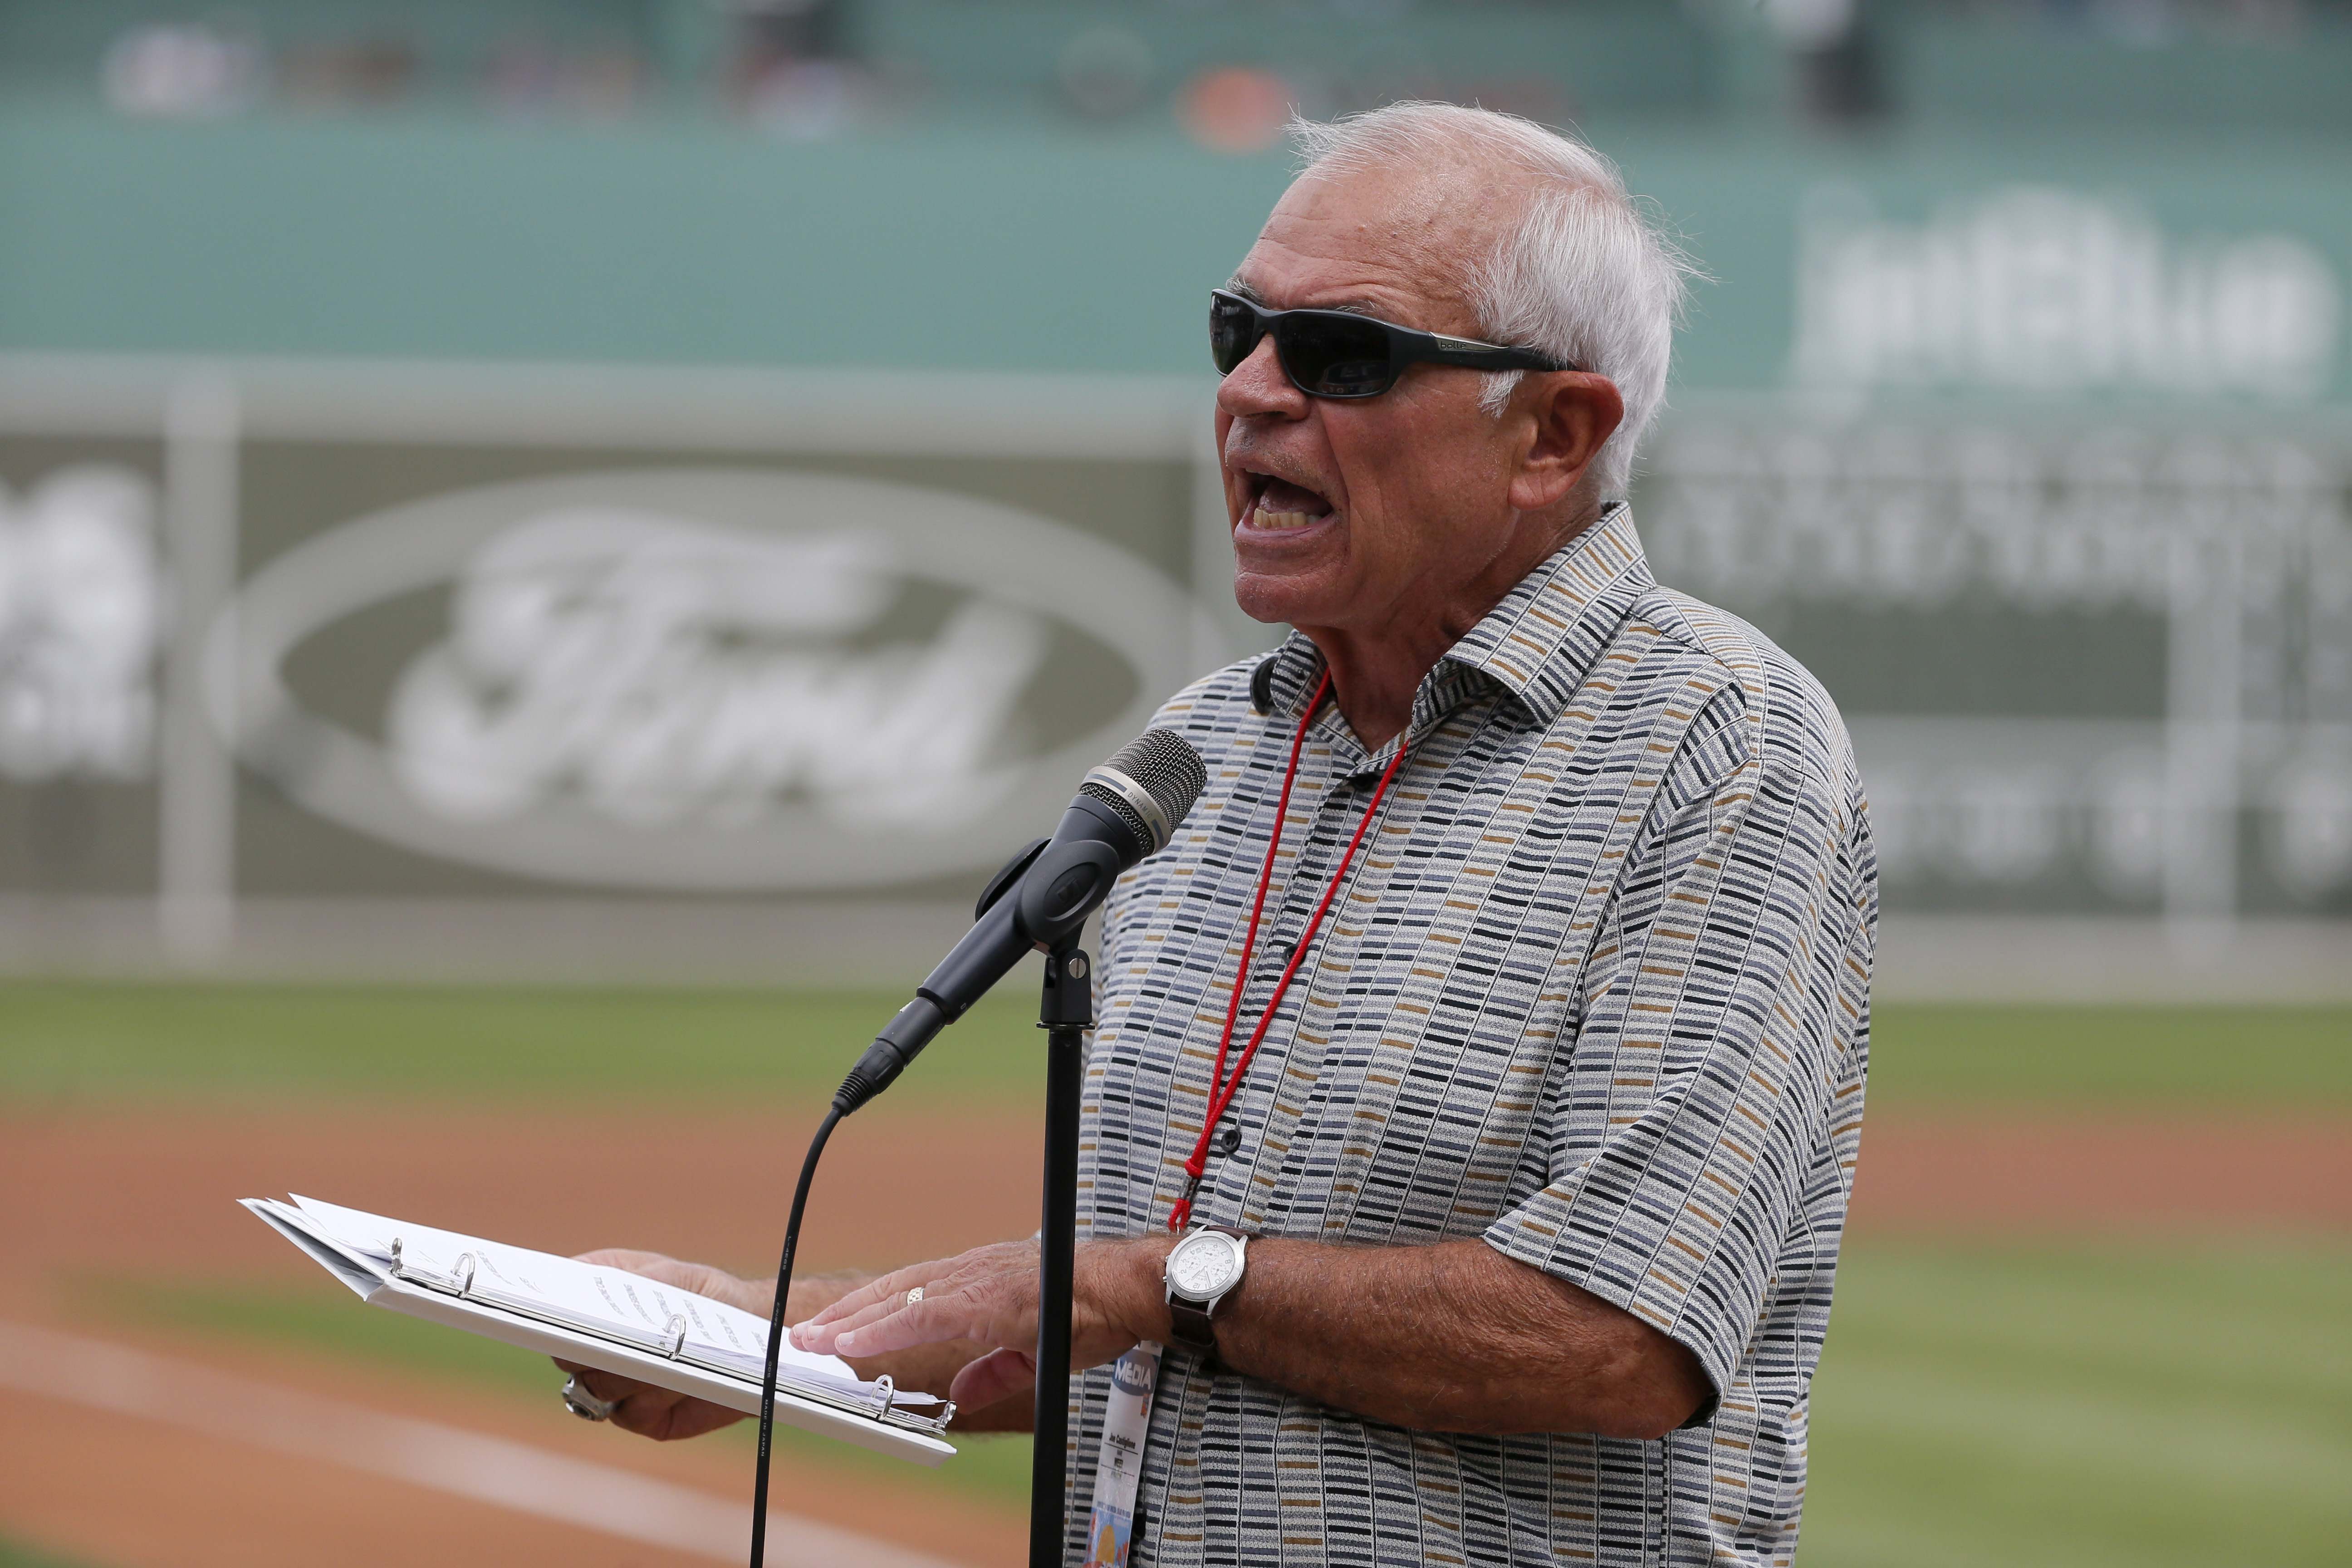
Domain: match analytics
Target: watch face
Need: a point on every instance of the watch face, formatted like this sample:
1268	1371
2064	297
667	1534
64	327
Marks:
1203	1266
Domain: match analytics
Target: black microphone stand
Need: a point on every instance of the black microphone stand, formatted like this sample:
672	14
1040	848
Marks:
1065	1011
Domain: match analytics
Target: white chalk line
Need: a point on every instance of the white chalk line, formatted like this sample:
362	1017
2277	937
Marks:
494	1470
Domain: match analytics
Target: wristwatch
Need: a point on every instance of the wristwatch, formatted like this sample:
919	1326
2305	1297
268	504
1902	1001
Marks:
1200	1271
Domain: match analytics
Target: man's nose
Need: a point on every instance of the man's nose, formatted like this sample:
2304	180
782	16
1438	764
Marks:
1256	388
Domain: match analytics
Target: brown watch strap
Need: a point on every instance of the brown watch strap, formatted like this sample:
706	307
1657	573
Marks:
1191	1326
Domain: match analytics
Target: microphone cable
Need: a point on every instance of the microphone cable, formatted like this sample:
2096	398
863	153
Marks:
1125	810
776	1333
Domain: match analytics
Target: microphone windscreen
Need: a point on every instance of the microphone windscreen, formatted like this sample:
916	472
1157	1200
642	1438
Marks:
1168	771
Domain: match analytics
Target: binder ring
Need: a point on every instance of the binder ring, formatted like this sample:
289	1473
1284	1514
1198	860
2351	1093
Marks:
674	1333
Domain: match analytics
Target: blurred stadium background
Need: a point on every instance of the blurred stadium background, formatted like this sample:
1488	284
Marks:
533	536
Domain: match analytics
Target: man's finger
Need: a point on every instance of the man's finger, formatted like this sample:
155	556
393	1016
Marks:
646	1415
686	1419
835	1338
999	1374
868	1302
926	1322
935	1294
980	1264
622	1258
874	1292
655	1412
596	1380
613	1386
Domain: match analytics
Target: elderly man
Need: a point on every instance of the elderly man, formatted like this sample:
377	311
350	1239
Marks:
1508	987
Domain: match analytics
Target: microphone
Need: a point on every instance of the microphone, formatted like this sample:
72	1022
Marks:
1124	809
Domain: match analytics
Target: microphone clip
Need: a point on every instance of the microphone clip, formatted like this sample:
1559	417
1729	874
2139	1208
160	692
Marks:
1063	886
1006	878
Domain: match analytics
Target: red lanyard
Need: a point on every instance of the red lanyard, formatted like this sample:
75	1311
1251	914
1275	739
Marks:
1221	1088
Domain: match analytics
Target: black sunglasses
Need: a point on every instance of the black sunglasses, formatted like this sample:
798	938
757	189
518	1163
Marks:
1338	353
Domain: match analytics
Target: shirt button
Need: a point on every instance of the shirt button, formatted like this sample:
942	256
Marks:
1229	1139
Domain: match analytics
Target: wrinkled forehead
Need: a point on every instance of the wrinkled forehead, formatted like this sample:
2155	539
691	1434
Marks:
1397	239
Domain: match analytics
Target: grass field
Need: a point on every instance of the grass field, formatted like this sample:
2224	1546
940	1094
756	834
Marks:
1982	1404
2084	1408
81	1041
15	1556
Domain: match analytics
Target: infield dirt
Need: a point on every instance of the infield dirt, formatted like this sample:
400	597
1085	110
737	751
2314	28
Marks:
147	1195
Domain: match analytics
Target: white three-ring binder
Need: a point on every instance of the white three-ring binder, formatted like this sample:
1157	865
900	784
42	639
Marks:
607	1319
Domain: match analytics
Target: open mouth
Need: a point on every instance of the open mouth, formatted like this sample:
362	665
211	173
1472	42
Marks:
1276	504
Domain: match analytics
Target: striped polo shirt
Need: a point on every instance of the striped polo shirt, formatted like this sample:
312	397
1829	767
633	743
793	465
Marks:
1596	991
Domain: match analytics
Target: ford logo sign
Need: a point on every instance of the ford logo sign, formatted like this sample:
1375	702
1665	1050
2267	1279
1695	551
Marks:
704	680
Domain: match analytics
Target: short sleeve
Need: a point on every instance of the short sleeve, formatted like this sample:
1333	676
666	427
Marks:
1719	1006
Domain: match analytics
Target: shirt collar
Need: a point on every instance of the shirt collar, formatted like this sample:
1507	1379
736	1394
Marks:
1543	639
1537	646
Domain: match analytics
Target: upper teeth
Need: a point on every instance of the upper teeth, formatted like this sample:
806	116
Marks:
1264	519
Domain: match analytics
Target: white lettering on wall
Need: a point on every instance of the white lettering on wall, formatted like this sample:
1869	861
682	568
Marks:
2047	290
80	609
2240	546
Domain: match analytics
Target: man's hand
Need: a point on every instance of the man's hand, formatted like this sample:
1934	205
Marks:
989	1297
663	1414
666	1414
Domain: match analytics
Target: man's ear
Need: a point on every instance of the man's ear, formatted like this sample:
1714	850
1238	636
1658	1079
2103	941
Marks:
1572	414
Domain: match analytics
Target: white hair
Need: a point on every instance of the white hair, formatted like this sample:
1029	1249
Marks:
1586	275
